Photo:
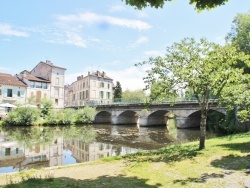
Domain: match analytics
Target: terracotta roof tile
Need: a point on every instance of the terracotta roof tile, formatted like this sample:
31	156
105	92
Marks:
34	78
8	79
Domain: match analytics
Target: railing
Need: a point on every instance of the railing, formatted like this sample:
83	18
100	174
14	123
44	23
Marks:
138	101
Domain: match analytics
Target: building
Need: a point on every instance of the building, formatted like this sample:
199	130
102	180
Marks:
95	88
12	90
45	81
37	88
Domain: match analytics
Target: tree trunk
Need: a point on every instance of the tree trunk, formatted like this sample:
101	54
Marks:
203	128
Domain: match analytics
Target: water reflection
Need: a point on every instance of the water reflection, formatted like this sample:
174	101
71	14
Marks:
36	147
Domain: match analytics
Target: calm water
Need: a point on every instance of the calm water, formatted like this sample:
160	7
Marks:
36	147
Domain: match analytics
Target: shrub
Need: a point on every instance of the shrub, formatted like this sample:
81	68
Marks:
67	116
23	116
85	115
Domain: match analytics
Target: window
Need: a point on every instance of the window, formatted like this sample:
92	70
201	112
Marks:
45	86
83	85
56	101
0	92
7	151
102	85
56	92
18	93
108	86
9	93
17	150
101	94
87	94
74	97
38	84
32	84
108	95
57	81
83	94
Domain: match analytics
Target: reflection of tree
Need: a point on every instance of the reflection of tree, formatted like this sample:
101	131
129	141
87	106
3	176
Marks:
31	135
45	135
84	133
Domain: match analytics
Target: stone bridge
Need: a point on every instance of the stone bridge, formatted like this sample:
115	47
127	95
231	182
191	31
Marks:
186	113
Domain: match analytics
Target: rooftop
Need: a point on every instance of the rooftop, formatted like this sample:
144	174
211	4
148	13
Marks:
8	79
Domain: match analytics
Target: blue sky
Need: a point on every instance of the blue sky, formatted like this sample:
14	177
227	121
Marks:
109	36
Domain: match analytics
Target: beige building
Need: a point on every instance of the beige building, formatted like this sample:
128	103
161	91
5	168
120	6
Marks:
12	90
45	81
95	88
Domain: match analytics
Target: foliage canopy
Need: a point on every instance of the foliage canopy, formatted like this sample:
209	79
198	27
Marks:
199	4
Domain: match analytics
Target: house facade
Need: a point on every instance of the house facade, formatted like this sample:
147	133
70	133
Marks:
45	81
37	88
12	90
95	88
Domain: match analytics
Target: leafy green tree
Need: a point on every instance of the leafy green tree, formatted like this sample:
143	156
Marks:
199	4
156	92
239	36
204	67
240	32
136	95
118	92
46	107
85	115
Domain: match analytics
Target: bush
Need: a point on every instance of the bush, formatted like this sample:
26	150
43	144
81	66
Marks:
62	117
67	116
23	116
86	115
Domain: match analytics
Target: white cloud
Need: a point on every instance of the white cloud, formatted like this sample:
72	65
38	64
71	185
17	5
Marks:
75	39
63	35
92	18
141	40
6	29
130	78
116	8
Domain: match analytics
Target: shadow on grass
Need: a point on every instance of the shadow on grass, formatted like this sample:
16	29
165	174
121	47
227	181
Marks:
204	177
168	154
103	181
243	147
232	162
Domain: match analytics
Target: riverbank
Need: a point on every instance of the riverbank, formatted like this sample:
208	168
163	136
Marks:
223	163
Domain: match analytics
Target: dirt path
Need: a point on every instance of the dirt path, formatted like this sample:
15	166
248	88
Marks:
83	171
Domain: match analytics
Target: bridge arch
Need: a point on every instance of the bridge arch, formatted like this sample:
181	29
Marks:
128	117
158	117
194	119
103	117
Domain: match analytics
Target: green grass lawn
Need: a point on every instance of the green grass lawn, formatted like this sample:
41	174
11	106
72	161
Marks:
222	164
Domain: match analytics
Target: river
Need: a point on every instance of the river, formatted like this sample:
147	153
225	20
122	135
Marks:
24	148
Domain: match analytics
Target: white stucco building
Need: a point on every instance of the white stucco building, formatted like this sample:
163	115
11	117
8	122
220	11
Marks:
45	81
12	90
95	88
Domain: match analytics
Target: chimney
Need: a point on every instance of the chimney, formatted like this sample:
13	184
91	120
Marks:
103	74
88	73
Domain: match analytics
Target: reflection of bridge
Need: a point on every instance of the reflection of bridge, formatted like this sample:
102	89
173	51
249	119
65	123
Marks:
187	113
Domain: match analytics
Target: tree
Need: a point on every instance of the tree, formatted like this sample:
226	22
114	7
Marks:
204	67
118	92
199	4
136	95
239	36
46	107
240	32
156	92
